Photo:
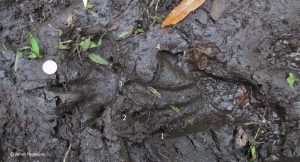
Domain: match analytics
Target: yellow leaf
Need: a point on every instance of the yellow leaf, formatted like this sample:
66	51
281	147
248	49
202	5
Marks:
181	11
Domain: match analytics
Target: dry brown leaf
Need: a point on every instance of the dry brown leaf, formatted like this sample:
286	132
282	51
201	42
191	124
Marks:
242	97
181	11
243	138
200	57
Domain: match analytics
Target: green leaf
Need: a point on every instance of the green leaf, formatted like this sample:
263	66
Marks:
93	45
156	19
35	47
98	59
17	59
32	56
90	6
94	14
291	80
139	30
175	108
24	48
154	91
85	44
100	40
253	152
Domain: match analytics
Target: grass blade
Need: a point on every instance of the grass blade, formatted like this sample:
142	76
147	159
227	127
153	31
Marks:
35	47
3	46
18	56
24	48
175	108
154	91
100	40
98	59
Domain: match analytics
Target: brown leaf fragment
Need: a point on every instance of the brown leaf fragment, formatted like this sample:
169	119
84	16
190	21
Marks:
199	57
217	9
242	97
63	47
243	138
181	11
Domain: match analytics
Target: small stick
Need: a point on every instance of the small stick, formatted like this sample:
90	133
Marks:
67	153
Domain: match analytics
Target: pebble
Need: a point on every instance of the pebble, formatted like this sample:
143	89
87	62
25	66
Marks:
2	74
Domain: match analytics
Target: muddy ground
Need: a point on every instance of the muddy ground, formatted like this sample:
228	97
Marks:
83	104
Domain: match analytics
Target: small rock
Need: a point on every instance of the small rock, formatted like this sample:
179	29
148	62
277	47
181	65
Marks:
217	9
2	74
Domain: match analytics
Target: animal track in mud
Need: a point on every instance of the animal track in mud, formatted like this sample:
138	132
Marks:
107	112
97	90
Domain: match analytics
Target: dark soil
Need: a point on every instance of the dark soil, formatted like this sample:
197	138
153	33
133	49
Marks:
83	104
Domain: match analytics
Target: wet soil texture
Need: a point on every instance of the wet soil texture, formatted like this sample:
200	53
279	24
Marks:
202	90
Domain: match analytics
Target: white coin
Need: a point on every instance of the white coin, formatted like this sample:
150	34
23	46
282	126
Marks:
49	67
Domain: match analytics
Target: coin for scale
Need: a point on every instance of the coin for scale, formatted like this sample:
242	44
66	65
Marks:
49	67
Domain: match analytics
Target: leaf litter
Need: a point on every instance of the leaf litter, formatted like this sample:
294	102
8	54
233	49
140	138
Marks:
181	11
242	97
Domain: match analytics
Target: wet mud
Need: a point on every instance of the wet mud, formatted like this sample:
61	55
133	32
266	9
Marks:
107	113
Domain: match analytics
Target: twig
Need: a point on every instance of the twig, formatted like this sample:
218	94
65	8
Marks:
295	54
156	6
163	155
67	153
256	135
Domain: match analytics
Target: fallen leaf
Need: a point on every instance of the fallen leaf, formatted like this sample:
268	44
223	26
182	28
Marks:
242	97
243	138
199	57
63	46
181	11
217	9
